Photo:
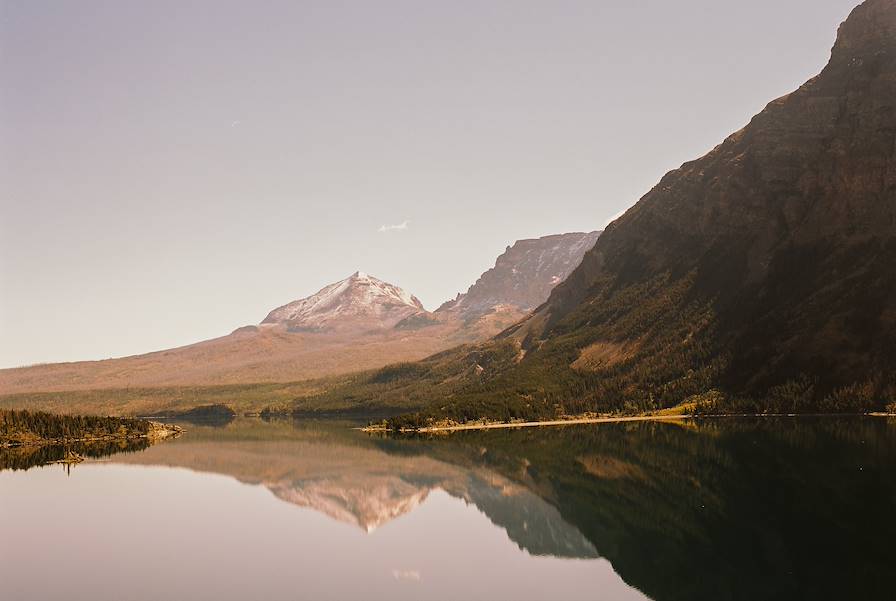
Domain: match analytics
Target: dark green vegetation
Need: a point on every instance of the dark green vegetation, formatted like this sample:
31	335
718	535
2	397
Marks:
726	508
34	427
216	414
432	383
33	438
758	278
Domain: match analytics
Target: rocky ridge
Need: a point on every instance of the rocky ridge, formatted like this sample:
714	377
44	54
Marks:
524	274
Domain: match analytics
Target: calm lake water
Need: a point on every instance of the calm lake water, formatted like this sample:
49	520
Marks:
711	510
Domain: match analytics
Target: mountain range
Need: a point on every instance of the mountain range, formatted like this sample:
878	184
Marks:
357	323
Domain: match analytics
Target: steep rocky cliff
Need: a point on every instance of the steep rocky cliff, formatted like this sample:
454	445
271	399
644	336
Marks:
524	274
765	267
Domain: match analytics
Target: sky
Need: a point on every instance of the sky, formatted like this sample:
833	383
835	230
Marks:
172	170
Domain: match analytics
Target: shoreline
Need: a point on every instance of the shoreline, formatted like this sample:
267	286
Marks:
604	420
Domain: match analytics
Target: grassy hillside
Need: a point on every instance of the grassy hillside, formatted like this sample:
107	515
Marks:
253	354
157	401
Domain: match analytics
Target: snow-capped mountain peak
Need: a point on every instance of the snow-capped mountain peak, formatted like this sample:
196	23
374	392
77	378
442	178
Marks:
358	300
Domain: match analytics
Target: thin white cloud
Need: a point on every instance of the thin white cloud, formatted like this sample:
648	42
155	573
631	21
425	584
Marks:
396	227
407	575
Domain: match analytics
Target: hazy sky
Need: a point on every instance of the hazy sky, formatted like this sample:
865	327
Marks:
170	171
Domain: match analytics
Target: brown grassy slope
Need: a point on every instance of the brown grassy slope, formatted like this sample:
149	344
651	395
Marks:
251	355
153	401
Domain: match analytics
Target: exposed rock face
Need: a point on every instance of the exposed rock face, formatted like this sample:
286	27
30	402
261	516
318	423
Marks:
524	275
358	300
769	260
522	279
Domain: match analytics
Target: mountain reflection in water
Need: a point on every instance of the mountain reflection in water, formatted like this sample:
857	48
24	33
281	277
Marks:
713	509
364	481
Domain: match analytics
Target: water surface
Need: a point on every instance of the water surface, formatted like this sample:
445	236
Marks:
721	509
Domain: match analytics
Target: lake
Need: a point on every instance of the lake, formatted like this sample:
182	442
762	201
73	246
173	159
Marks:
705	510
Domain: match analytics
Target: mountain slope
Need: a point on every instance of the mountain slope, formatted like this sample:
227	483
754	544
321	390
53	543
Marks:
758	277
347	326
763	268
524	275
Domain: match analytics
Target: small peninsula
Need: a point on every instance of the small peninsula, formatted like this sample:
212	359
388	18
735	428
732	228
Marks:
34	428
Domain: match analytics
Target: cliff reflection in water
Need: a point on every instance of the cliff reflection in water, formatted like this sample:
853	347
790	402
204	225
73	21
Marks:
717	509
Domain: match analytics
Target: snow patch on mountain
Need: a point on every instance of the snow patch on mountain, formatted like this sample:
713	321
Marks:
359	299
